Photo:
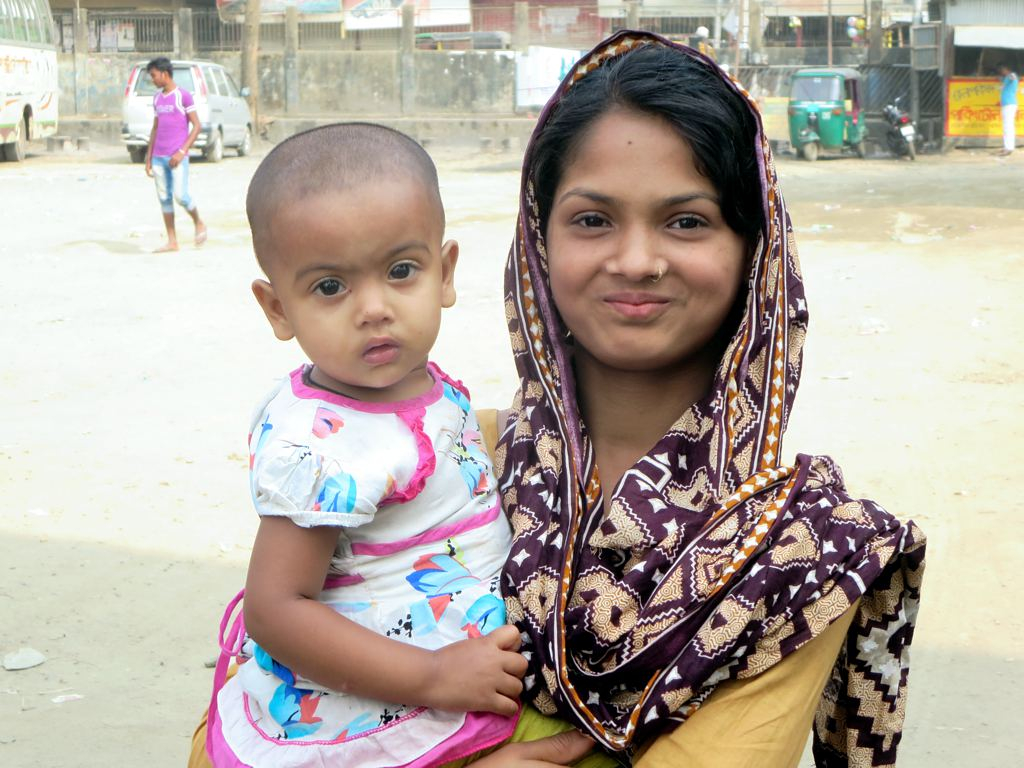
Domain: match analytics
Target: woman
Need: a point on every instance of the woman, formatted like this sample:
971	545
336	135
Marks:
661	548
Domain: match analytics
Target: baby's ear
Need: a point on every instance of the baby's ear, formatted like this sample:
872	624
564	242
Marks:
273	309
449	257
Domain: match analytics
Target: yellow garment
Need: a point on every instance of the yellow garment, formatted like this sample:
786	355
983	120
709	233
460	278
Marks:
760	722
533	725
488	419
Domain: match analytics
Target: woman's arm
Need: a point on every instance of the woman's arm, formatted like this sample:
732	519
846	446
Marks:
286	574
760	722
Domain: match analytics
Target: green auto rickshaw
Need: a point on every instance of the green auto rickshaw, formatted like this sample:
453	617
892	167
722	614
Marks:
826	112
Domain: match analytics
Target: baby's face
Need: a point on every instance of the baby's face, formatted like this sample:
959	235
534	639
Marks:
361	277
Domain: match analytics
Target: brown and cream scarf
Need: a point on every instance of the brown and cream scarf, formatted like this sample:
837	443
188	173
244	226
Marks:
715	559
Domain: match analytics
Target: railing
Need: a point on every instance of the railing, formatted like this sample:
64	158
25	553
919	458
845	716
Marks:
143	32
796	40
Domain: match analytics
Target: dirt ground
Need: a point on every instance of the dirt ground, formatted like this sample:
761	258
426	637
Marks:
129	379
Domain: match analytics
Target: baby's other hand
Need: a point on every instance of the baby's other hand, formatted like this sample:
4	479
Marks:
483	674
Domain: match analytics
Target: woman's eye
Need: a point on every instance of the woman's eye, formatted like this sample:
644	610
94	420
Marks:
688	222
591	220
402	271
329	287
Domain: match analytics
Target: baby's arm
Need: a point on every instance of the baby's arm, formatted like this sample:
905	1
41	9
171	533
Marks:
286	573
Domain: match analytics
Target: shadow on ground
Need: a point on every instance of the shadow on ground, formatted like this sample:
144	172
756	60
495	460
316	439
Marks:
128	631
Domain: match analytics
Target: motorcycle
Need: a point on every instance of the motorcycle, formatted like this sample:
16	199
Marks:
901	135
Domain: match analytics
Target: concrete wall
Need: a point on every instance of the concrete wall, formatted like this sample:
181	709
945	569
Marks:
348	82
97	86
329	82
464	82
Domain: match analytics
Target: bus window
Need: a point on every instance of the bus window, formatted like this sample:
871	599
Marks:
16	20
23	23
46	30
6	32
31	20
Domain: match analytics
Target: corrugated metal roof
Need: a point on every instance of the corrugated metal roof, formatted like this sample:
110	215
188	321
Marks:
988	12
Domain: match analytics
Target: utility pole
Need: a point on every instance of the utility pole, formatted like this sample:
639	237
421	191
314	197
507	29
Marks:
740	10
830	33
250	58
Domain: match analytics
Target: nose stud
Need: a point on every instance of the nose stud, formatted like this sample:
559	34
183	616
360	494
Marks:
661	274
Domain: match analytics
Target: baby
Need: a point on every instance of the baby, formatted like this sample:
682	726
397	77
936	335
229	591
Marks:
374	632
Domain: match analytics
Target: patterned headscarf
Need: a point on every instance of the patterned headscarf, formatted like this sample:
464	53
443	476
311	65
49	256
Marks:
715	560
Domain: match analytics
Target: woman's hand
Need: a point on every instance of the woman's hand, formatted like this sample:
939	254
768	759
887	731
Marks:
483	674
558	751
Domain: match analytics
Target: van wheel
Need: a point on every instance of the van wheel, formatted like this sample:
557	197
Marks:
15	151
137	154
214	151
246	146
810	151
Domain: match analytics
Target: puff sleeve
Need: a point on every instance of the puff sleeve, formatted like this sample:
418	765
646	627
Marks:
310	488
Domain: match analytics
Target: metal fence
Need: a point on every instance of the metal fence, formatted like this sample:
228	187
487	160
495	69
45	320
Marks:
212	34
796	40
114	32
884	83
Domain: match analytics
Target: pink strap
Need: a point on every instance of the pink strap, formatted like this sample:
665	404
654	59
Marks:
230	642
233	643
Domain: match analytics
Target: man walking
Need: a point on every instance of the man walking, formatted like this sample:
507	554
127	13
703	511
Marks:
1008	105
175	127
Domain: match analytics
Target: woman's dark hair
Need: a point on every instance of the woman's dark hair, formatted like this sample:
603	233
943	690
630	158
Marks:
160	64
657	80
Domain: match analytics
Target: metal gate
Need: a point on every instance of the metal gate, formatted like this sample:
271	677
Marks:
884	82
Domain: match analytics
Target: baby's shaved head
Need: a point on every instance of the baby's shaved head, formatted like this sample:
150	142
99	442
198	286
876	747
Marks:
334	158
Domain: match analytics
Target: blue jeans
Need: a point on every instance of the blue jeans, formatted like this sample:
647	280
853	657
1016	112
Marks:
172	184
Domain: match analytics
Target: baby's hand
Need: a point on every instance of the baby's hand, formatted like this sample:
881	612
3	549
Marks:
483	674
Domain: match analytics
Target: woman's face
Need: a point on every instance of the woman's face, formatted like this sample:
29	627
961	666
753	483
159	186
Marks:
630	206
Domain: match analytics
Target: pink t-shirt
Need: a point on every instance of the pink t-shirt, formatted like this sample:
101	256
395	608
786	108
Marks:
172	110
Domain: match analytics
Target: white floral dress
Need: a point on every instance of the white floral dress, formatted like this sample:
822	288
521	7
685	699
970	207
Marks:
421	544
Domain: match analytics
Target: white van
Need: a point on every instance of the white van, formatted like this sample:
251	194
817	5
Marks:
224	117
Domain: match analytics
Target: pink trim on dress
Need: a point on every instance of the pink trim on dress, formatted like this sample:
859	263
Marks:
434	534
305	392
426	461
456	383
217	749
343	580
480	731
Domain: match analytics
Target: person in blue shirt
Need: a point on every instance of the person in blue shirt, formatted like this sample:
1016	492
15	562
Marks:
1008	105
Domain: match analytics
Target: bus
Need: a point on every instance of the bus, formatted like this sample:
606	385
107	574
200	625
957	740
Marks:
29	92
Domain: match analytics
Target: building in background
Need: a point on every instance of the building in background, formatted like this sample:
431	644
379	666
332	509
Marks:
979	35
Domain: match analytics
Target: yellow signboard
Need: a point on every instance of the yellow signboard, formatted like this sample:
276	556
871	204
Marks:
972	108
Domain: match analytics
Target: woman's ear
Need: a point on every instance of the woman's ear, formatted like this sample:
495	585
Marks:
273	309
449	257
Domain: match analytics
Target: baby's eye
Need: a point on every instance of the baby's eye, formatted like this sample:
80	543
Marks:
329	287
402	271
688	222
